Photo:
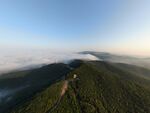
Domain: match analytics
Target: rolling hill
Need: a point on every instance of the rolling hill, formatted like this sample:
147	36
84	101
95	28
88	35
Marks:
100	87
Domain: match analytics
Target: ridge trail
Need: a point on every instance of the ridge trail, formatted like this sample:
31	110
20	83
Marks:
62	93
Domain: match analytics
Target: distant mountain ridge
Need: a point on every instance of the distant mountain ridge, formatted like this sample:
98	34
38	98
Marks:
104	56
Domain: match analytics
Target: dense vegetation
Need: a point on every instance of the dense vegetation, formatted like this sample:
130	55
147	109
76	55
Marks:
100	88
18	86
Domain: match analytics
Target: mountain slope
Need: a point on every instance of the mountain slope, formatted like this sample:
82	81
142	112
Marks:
99	88
139	71
18	86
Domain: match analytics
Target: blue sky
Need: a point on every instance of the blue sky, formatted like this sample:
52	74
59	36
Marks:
120	26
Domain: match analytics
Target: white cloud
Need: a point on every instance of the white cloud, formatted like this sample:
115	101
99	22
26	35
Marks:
24	59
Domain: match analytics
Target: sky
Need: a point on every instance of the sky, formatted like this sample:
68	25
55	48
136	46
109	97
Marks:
118	26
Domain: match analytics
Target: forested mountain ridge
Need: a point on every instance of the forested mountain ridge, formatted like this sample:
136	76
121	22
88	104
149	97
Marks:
100	87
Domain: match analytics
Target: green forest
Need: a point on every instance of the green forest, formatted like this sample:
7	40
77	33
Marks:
100	87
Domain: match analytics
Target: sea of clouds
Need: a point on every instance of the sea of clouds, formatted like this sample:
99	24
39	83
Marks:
11	60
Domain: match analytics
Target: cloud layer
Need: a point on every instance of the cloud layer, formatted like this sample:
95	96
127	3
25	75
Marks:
16	60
